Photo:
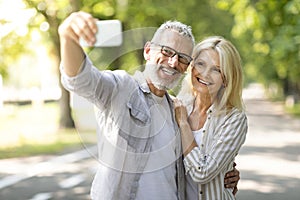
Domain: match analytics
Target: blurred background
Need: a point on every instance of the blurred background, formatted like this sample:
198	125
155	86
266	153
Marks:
38	123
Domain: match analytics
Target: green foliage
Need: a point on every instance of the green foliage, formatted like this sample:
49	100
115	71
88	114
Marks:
266	32
100	9
148	15
295	110
8	52
11	49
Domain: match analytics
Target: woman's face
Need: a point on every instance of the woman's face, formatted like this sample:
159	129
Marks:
206	73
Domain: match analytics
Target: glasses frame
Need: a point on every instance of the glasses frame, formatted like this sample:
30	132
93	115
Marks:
181	56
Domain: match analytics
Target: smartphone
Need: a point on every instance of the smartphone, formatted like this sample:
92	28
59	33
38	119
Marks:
109	34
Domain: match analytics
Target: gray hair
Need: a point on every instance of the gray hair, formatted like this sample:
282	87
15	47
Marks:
181	28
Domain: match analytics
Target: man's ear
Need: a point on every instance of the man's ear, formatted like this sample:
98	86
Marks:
147	51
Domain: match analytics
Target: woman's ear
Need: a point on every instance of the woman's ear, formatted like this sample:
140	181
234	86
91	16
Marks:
147	51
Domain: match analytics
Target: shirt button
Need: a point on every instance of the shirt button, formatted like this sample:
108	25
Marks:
203	131
135	184
132	196
201	192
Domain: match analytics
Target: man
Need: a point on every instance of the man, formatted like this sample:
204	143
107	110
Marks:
140	151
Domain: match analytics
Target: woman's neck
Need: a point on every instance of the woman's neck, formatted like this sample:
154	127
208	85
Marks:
202	102
198	115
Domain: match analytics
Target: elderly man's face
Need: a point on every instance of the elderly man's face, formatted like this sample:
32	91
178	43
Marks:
167	59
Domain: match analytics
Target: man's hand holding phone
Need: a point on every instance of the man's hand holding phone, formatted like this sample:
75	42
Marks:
79	25
86	30
82	28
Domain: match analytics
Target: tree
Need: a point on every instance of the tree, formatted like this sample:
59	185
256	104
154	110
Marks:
268	34
205	17
11	46
52	12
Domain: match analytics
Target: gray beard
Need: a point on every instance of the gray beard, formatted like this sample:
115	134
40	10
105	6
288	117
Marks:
161	84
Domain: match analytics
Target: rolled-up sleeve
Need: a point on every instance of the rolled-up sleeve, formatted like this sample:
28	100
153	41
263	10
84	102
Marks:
200	166
70	83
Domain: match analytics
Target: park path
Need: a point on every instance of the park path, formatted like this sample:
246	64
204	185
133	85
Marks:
269	162
52	177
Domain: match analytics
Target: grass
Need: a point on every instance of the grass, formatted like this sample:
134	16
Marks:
295	110
30	130
60	142
34	149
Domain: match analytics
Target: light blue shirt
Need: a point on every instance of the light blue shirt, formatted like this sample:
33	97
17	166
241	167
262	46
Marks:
134	129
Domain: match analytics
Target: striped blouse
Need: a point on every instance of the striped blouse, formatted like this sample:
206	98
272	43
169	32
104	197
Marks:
207	164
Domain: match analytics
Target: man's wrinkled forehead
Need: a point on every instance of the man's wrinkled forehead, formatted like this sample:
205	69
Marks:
169	34
172	38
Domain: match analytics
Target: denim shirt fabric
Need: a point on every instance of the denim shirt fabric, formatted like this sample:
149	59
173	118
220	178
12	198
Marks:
124	129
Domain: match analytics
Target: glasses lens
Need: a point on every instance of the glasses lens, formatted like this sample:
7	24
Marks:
184	59
168	51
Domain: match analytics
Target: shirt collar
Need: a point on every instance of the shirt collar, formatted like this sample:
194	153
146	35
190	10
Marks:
140	78
211	109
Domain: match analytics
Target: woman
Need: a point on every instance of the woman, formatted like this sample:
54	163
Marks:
213	124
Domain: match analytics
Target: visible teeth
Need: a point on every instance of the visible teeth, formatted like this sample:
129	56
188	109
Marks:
168	72
201	81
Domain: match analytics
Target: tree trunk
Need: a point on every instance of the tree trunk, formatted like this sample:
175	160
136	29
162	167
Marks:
65	117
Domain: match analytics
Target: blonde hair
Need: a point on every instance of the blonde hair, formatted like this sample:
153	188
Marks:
230	95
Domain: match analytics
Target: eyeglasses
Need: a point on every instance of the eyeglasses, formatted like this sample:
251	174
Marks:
169	52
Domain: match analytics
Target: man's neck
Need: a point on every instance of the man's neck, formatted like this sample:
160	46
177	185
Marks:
155	91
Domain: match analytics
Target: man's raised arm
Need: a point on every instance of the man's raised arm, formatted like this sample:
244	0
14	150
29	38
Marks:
77	25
